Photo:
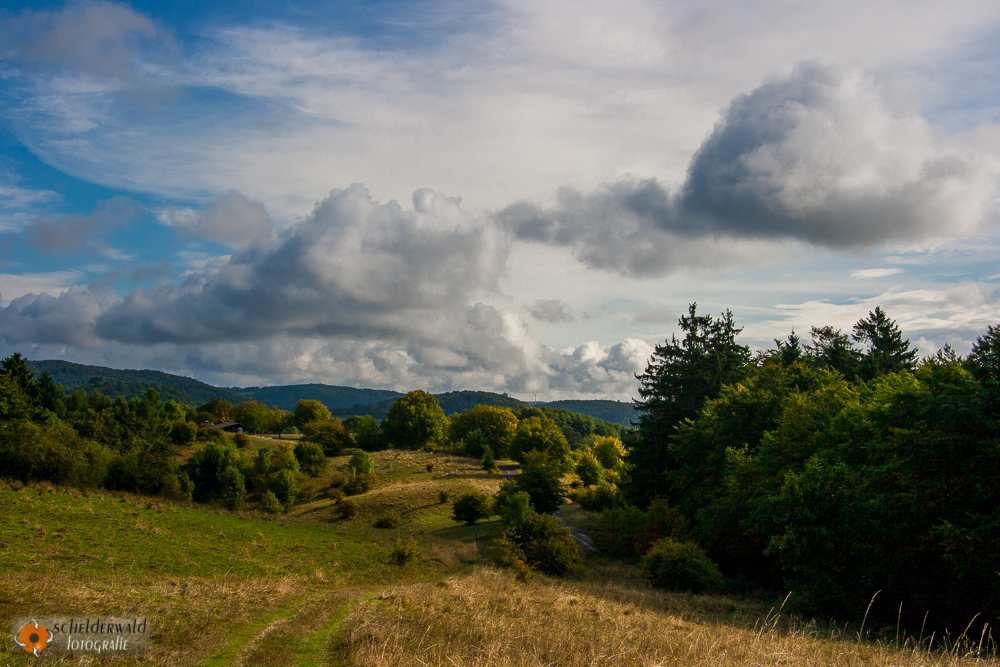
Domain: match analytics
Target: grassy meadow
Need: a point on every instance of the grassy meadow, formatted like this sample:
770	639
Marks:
311	588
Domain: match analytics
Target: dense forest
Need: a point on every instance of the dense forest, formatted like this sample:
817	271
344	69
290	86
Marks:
839	469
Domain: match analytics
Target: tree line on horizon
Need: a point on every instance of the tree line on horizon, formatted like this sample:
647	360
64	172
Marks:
137	445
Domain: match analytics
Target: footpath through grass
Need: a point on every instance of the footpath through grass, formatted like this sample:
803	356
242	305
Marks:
224	588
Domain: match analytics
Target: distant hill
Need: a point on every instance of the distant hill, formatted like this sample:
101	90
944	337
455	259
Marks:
342	401
333	397
130	383
615	412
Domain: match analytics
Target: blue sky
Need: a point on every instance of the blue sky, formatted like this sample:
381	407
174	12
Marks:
506	196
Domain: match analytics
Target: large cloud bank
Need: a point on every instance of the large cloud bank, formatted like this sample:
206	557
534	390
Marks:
360	291
814	157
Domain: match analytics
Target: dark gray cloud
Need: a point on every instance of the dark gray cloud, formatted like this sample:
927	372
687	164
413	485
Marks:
813	157
61	233
630	227
816	156
67	319
354	267
552	310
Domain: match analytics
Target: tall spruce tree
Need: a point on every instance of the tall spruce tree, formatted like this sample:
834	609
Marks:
680	376
984	360
833	350
887	351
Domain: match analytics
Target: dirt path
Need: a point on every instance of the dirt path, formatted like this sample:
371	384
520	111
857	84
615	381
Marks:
579	536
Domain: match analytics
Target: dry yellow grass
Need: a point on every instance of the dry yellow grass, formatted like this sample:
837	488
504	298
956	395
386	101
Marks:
183	609
489	618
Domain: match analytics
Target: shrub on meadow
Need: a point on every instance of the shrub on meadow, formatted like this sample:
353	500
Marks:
681	566
472	507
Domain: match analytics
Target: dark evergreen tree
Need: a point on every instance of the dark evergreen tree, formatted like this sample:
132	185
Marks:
832	349
16	368
680	376
49	393
984	360
790	349
887	351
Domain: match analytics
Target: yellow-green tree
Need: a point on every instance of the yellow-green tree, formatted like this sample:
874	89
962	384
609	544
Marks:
414	421
496	424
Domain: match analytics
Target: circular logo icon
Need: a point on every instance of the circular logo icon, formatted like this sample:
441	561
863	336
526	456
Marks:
33	638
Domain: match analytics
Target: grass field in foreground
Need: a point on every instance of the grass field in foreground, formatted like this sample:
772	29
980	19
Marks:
225	588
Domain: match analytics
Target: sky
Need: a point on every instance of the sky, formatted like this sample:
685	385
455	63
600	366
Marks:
517	197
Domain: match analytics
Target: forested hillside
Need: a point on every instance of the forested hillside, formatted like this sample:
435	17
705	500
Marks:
342	401
615	412
333	397
113	382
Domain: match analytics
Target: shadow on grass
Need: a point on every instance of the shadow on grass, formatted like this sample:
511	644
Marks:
463	533
470	475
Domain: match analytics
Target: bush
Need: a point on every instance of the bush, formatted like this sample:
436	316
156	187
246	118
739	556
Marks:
308	410
489	463
339	478
365	431
662	520
183	433
542	543
472	507
329	434
139	471
207	466
404	552
348	509
474	443
232	488
176	486
388	519
360	483
541	434
514	508
597	498
620	531
361	462
540	478
496	425
270	503
680	566
242	440
589	469
30	452
335	494
285	487
430	468
311	458
444	495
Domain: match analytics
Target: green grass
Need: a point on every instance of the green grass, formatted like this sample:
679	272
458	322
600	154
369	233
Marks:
271	589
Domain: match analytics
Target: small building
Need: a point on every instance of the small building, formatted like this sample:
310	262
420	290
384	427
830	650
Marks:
229	427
